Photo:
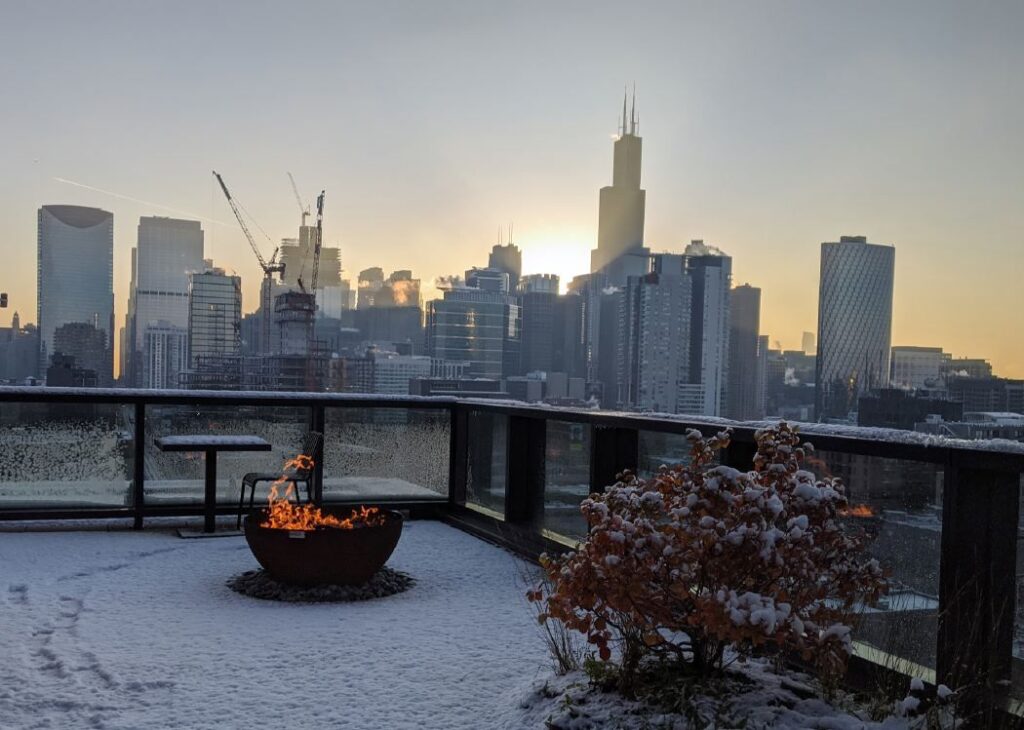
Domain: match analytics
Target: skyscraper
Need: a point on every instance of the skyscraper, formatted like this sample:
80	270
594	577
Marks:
654	337
854	323
75	275
742	397
507	258
168	251
620	232
538	296
711	272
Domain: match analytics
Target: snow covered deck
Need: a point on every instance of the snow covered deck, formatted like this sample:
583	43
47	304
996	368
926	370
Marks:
137	629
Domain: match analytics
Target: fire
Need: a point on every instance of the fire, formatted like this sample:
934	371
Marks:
859	510
283	514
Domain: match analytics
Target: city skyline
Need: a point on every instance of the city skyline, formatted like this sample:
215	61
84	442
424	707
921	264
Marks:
931	168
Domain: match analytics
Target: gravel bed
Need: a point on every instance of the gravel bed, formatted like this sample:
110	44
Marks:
259	584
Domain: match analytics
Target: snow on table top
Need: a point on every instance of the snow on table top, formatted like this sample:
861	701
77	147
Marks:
127	630
211	440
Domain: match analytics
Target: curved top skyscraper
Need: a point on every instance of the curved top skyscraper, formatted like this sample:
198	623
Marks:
75	275
854	323
620	232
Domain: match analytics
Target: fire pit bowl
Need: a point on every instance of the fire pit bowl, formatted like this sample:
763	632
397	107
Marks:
326	555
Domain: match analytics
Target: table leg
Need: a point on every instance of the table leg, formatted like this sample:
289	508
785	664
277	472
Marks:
210	497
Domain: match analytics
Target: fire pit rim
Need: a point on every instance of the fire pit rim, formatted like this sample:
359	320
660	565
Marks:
327	555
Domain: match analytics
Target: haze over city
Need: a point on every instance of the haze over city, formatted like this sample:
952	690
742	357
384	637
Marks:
766	132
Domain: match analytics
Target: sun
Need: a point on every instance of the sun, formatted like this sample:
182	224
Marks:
565	253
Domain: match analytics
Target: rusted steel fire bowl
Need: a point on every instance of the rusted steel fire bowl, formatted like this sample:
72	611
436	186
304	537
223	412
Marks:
327	555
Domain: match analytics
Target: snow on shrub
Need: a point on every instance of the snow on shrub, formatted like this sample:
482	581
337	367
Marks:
701	557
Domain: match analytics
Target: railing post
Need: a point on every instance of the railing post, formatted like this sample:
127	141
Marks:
613	450
458	454
524	487
318	423
977	581
139	465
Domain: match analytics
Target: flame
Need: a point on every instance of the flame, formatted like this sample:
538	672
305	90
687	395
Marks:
283	514
859	510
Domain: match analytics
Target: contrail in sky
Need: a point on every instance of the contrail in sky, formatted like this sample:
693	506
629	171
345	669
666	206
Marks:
142	202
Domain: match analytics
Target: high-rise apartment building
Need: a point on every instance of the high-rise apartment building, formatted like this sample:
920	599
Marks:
168	251
214	317
745	397
653	338
854	323
711	273
620	232
75	276
165	353
538	297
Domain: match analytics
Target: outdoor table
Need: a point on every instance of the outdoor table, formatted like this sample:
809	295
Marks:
211	445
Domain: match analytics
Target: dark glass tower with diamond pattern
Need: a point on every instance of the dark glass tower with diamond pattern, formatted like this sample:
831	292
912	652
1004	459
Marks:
854	323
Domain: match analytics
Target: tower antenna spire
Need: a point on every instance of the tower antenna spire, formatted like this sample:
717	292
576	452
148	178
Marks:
625	93
632	112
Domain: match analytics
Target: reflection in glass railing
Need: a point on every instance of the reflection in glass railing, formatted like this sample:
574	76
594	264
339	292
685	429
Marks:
898	505
63	455
658	448
567	478
487	461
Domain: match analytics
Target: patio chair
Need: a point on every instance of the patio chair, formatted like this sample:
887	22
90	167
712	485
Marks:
313	446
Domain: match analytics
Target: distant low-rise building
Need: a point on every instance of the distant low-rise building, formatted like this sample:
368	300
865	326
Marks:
977	425
897	408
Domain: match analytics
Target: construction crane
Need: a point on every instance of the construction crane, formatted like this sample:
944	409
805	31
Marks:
318	243
269	267
303	207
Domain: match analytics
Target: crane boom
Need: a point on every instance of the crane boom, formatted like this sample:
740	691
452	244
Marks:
303	208
267	268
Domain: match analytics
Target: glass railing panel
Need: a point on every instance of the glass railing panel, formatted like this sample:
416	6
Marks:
60	455
178	478
566	478
487	464
898	505
657	449
396	454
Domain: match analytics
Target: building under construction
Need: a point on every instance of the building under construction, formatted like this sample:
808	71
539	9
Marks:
288	356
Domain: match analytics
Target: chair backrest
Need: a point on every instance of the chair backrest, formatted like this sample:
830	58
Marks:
313	446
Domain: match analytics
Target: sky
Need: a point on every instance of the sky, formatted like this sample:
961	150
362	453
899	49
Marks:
768	127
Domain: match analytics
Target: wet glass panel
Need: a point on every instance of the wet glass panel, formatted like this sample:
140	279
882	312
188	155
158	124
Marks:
177	478
66	455
487	463
567	478
379	454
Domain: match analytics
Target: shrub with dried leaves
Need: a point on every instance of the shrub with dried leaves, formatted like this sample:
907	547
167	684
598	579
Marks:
701	557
